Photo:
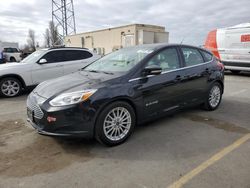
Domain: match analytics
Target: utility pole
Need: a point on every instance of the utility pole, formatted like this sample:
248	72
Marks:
63	17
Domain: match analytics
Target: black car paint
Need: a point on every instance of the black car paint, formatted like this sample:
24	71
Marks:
150	96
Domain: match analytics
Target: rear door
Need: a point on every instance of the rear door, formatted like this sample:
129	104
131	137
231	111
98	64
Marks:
196	73
52	69
164	92
76	59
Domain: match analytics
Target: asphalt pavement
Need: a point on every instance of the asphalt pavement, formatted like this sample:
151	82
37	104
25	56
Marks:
193	148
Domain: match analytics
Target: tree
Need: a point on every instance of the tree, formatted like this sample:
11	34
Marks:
31	39
54	35
47	40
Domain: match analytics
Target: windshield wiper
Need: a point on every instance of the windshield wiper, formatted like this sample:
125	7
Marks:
107	72
95	71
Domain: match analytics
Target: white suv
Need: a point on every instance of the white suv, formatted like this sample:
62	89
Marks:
12	54
40	66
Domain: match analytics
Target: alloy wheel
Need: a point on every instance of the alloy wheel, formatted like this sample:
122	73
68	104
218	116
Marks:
117	123
214	96
10	88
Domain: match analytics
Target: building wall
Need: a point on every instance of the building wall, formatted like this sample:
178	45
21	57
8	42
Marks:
108	40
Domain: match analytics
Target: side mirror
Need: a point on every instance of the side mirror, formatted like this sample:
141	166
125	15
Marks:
152	70
42	61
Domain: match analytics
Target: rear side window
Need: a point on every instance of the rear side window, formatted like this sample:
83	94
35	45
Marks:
167	59
207	56
72	55
192	56
10	50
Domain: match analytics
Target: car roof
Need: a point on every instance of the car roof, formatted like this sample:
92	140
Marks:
66	48
157	46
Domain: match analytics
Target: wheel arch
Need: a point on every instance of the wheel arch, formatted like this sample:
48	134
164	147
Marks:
12	57
221	83
14	76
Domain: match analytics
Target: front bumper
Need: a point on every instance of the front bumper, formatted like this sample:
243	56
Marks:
59	134
71	121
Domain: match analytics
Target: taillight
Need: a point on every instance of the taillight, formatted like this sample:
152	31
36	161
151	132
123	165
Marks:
220	64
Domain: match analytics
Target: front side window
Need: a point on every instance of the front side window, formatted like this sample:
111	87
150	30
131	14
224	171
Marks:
14	50
192	56
54	56
120	61
166	59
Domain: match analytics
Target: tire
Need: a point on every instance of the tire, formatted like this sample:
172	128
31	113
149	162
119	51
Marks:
214	97
235	71
108	126
10	87
12	59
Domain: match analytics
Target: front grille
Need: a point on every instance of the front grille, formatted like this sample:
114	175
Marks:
34	107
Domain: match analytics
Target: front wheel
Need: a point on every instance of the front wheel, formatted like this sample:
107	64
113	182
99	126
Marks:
115	123
10	87
213	97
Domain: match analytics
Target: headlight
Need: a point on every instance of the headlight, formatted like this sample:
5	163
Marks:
72	98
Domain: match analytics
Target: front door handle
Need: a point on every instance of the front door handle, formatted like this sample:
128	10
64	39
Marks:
177	78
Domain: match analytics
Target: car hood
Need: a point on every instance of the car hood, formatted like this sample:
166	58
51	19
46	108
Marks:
77	81
11	65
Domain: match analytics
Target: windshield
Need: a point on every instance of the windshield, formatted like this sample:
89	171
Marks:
120	61
34	57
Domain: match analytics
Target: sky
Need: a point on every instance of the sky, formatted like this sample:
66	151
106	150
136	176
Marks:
188	20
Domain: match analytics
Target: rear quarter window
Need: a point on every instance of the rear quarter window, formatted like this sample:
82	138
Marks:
207	56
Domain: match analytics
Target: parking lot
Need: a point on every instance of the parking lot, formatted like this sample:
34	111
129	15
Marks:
194	148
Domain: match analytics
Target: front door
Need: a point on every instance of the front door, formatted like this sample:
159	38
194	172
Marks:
52	69
163	93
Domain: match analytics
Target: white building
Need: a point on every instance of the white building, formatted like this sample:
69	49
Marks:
107	40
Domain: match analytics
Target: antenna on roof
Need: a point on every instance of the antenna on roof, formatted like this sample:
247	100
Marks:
182	40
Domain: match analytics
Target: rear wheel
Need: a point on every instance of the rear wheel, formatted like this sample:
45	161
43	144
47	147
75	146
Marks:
213	97
12	59
115	123
10	87
235	71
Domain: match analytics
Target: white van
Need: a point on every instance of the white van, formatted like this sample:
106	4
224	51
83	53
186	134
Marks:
232	46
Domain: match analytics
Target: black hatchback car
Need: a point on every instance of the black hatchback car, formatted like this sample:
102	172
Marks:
109	97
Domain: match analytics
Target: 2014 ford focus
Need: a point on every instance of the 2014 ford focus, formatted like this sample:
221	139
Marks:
109	97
